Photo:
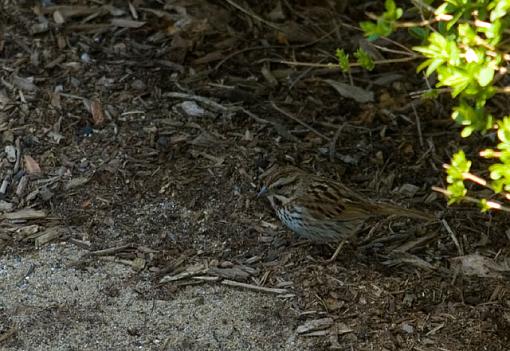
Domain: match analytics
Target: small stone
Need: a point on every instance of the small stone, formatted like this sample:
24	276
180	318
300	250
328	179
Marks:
408	189
408	328
192	109
10	151
6	206
138	85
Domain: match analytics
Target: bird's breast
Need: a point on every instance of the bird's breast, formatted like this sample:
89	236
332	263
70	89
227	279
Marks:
291	217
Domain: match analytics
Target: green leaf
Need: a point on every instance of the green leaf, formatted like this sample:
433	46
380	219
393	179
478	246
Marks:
343	60
364	59
369	28
456	78
459	165
392	12
500	10
484	206
485	76
467	131
498	185
457	192
419	32
433	66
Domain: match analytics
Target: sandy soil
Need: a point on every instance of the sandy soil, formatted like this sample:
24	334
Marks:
54	306
132	138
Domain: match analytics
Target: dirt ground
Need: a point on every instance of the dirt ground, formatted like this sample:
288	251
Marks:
133	134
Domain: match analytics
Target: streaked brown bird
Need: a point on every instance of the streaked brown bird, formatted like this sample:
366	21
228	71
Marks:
320	209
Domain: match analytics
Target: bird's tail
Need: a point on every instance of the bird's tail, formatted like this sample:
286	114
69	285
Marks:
387	209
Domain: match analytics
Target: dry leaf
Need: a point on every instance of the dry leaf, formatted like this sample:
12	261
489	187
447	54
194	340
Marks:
25	84
314	325
481	266
31	165
350	91
97	112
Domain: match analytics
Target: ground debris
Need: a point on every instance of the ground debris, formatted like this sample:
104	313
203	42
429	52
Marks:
315	325
26	213
134	134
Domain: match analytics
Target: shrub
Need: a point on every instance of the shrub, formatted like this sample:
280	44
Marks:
464	44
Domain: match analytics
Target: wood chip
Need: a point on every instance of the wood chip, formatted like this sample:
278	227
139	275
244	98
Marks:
26	213
6	206
138	264
127	23
315	325
75	183
25	84
48	235
229	273
190	272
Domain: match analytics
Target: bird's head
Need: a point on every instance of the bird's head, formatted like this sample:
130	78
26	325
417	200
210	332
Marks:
279	184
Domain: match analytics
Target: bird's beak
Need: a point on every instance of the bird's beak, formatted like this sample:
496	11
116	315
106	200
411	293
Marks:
262	191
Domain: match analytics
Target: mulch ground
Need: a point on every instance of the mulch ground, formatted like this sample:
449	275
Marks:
156	118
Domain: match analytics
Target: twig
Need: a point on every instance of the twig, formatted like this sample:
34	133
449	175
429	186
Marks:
418	126
300	76
29	272
277	126
254	287
490	204
393	51
295	119
453	236
5	185
410	24
335	65
262	47
237	52
396	43
254	116
332	145
254	15
201	99
12	331
18	156
110	250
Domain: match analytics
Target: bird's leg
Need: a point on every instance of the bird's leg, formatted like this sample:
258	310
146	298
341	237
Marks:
337	251
344	241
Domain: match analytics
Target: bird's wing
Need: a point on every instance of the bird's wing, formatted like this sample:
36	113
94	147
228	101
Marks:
329	201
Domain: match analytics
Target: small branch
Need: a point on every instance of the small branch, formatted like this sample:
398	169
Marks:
306	125
490	154
111	250
453	236
411	24
475	179
335	65
332	144
502	90
491	204
399	52
254	15
254	287
480	181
